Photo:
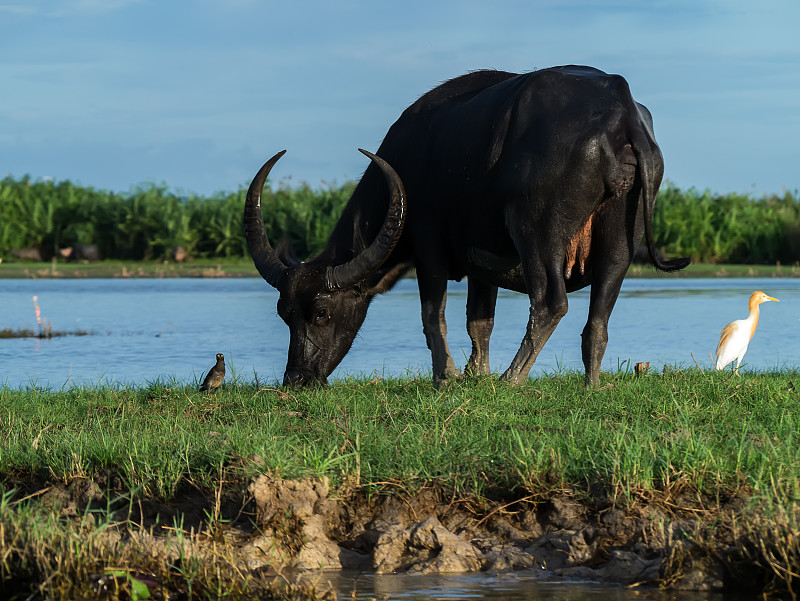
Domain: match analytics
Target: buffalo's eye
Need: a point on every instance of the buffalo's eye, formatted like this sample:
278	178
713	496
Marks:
321	315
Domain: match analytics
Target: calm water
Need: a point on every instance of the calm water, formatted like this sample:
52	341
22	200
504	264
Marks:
149	329
524	585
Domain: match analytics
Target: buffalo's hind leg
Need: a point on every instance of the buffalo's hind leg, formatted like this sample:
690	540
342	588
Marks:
548	296
481	301
594	339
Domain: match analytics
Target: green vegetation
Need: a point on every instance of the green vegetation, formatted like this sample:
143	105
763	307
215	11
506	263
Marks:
243	267
682	439
147	222
47	557
198	268
733	228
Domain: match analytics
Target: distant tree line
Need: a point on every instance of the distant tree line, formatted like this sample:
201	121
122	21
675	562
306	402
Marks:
147	222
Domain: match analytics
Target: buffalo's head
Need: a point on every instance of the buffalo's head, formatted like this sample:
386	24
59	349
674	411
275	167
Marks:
324	304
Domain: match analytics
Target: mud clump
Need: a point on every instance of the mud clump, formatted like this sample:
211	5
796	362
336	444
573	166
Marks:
303	527
296	517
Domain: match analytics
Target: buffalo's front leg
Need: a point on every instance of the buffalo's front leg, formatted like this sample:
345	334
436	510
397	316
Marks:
433	298
481	301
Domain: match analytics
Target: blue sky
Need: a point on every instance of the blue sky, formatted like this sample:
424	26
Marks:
196	95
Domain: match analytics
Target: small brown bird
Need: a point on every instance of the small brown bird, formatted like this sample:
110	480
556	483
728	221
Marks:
215	375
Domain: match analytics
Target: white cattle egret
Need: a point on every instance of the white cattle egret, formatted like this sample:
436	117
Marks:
735	336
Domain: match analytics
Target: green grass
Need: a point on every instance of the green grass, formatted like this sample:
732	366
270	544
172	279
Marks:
45	556
713	270
198	268
690	440
712	429
243	267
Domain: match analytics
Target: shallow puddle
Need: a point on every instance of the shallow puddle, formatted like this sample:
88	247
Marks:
525	585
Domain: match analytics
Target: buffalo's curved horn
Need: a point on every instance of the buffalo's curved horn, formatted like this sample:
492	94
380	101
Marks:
360	267
264	256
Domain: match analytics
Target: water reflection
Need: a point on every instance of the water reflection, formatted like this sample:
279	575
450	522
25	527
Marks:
524	585
147	330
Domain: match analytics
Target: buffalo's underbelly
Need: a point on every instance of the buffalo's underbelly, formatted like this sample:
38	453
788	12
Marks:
505	271
493	258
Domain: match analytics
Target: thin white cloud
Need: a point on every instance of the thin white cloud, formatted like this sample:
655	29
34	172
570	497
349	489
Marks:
68	8
18	9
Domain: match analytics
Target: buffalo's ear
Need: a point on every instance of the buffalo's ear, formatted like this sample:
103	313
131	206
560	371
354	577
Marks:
286	253
385	281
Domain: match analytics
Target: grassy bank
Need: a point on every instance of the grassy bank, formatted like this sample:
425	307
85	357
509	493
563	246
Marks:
686	441
129	269
244	268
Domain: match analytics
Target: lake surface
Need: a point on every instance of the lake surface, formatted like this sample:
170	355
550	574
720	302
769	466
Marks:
170	329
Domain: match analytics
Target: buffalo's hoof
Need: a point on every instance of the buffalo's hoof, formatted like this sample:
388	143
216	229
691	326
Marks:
443	380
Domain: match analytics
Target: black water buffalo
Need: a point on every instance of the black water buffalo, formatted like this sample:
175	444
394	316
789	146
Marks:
80	252
540	182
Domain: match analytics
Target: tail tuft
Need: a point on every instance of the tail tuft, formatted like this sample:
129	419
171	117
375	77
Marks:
673	264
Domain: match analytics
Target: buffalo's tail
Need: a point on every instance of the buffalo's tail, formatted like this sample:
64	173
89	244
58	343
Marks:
647	154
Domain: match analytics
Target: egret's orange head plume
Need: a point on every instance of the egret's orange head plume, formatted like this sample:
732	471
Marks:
759	297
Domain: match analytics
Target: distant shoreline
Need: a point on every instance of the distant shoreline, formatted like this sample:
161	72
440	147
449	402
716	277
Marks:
241	268
205	268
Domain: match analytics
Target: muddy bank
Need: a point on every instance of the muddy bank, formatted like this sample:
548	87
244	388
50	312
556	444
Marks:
429	533
274	526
